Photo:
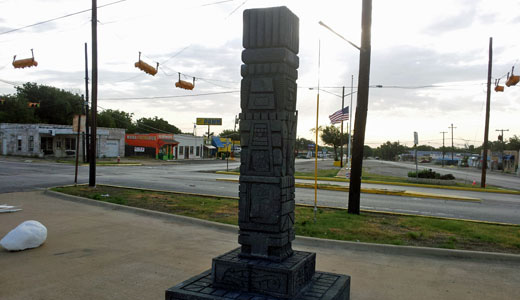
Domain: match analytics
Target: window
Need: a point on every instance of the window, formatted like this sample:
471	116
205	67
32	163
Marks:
181	150
19	144
191	149
198	151
31	143
70	143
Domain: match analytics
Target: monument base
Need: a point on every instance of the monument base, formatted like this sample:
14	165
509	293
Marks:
323	286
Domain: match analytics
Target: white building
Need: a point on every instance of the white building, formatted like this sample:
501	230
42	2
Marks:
44	140
192	147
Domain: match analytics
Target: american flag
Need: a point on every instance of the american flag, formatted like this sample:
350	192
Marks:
340	115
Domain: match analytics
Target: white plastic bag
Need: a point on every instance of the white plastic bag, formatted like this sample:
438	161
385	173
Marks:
29	234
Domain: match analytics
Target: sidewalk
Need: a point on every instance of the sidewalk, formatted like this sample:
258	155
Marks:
95	252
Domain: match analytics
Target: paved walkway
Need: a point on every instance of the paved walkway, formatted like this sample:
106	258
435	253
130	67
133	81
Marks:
99	253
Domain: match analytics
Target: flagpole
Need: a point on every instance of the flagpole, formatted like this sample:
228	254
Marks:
341	134
316	146
350	121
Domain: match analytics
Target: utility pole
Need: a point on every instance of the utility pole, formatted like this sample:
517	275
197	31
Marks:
503	145
488	101
93	148
87	146
452	148
361	109
341	135
443	132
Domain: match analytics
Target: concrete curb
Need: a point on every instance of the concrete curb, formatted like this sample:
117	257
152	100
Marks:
342	179
144	212
378	191
305	241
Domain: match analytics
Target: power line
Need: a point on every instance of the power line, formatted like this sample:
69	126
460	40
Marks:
171	96
58	18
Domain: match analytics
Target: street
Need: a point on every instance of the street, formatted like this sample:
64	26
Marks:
193	177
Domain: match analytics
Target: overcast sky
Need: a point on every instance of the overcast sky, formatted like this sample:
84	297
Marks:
430	57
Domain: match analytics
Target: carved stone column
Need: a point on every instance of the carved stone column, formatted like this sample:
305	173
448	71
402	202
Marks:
268	133
266	267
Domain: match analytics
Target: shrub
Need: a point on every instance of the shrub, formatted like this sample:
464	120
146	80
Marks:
430	174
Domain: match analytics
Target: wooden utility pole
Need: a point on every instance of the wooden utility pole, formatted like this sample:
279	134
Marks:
452	148
443	132
87	146
486	130
361	110
93	148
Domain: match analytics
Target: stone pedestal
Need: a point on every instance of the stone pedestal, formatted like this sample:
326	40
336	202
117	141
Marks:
323	286
265	266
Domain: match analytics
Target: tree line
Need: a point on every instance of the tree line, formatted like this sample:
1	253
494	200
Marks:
33	103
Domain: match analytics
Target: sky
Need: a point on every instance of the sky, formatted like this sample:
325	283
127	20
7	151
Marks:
430	57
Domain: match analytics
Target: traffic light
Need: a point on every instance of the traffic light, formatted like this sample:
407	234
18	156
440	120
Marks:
500	138
146	67
25	63
33	104
498	88
184	84
513	79
2	101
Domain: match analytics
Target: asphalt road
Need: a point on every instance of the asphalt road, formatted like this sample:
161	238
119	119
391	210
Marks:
187	177
467	175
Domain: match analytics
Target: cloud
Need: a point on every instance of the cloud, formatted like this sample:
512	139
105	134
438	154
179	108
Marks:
460	17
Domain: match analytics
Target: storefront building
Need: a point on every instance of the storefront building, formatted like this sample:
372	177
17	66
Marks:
158	145
60	141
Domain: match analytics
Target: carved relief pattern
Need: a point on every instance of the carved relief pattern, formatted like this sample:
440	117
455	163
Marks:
268	132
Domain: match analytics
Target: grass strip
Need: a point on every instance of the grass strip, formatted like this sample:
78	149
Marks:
332	223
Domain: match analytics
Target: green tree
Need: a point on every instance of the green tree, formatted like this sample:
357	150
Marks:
367	151
302	144
514	143
151	125
116	119
57	106
331	135
389	151
15	110
232	134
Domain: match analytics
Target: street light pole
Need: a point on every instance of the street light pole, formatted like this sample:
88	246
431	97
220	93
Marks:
443	132
361	109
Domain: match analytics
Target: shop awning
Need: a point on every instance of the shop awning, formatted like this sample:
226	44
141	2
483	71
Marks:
218	143
170	142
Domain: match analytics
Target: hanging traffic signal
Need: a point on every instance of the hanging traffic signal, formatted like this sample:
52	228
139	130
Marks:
146	67
184	84
498	88
513	79
24	63
33	104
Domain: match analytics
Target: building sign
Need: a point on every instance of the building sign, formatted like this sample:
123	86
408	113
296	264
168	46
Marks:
209	121
165	136
138	149
75	123
141	137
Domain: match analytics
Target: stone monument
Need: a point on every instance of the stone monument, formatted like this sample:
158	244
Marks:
265	266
